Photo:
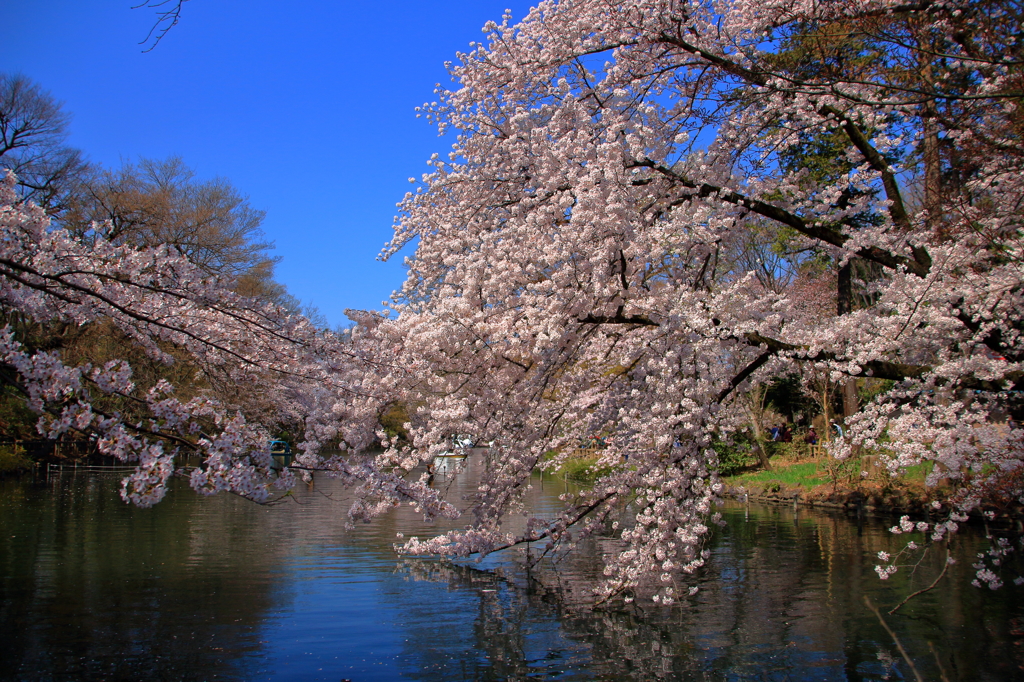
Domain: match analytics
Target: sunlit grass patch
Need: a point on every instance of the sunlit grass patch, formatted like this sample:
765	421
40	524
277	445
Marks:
583	468
804	475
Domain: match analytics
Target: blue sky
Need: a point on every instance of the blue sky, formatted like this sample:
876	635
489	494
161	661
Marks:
306	107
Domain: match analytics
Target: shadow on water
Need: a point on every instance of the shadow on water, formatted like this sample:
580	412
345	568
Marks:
219	588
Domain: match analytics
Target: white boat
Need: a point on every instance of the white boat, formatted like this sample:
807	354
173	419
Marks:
449	463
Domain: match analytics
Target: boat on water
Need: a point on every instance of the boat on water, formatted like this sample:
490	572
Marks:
451	461
280	454
447	464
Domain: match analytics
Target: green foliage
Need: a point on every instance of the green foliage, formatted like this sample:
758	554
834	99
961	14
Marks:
393	420
735	454
17	422
868	389
786	394
12	460
821	156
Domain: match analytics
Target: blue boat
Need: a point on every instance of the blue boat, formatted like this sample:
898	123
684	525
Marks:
281	454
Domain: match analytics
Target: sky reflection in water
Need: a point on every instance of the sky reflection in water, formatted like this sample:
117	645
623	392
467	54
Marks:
218	588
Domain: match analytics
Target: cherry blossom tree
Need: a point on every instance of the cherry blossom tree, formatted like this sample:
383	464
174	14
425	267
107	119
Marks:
279	365
572	276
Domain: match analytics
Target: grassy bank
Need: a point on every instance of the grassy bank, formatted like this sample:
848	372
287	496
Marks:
802	475
582	468
808	475
859	483
793	472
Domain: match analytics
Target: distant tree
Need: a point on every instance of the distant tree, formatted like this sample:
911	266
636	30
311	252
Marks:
162	203
146	207
33	143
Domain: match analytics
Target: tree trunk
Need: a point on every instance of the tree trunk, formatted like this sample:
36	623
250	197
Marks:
755	409
932	167
844	305
762	454
850	402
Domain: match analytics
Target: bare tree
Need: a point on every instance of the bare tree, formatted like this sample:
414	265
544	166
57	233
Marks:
161	202
33	143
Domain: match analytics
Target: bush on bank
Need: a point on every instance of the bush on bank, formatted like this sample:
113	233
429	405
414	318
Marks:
13	460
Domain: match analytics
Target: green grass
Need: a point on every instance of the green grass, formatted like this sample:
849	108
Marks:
808	475
918	472
804	475
578	469
583	470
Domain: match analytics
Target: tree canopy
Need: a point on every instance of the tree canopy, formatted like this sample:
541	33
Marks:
161	202
33	143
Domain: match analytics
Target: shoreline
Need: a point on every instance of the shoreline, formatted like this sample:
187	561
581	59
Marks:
875	501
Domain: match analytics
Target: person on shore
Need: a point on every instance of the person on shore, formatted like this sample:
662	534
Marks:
837	430
785	435
774	432
811	437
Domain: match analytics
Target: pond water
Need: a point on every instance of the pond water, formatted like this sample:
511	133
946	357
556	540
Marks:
218	588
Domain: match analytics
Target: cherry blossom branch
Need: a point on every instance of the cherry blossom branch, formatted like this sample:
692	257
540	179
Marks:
945	566
899	645
919	266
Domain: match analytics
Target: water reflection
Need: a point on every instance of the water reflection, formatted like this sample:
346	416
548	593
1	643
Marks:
93	589
781	599
218	588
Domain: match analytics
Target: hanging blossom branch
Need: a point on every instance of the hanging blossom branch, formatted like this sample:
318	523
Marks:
164	306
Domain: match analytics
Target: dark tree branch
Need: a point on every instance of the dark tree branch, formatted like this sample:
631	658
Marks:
619	318
168	14
744	375
918	266
945	565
